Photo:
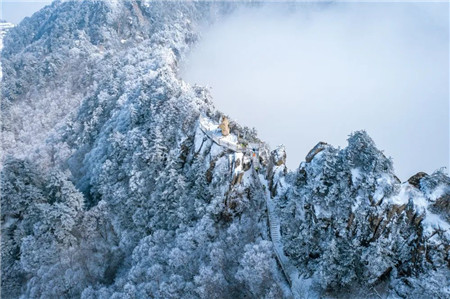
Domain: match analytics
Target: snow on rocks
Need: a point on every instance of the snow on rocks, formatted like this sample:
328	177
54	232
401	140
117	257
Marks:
212	130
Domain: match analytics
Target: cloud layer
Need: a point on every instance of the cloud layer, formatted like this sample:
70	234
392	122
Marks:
316	72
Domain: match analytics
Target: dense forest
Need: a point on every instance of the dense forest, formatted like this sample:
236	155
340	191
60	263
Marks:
116	181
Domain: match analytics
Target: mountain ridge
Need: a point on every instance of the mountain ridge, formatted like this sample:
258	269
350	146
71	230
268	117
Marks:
111	189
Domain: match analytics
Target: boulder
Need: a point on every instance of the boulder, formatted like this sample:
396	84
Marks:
246	163
415	179
224	126
264	155
315	150
279	156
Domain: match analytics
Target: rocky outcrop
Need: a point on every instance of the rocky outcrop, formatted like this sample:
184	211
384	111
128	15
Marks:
276	169
237	178
279	156
224	126
246	163
348	221
315	150
415	179
442	206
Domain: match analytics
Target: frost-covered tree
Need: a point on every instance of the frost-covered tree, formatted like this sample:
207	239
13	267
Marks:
110	188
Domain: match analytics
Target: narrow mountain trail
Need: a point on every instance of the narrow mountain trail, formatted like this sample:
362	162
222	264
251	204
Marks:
289	271
274	226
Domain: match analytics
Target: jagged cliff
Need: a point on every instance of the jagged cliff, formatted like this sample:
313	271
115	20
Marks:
120	180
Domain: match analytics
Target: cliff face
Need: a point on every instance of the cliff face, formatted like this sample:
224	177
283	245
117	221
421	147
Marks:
118	182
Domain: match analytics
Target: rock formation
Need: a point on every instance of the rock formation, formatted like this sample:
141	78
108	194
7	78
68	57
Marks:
224	126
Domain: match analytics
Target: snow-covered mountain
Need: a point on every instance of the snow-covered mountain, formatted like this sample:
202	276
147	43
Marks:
120	180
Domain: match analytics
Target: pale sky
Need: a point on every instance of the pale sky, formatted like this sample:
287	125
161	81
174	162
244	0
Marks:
14	11
319	72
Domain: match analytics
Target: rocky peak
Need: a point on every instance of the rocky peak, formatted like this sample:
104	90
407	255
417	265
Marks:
315	150
415	179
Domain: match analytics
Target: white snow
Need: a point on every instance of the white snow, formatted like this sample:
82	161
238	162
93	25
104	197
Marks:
207	124
238	156
356	175
438	192
403	196
357	203
215	150
433	222
4	27
300	287
420	202
378	194
246	179
212	130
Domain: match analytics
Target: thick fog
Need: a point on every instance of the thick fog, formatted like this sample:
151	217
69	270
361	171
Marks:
308	73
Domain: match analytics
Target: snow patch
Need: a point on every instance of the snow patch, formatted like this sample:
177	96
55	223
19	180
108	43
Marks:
420	202
433	222
211	129
356	176
438	192
238	156
403	196
215	150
